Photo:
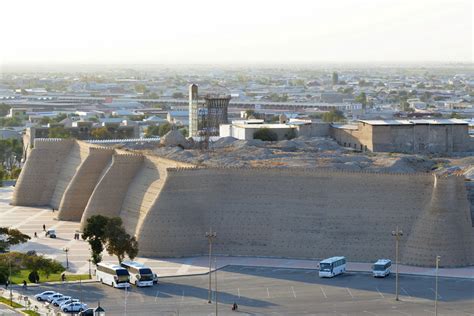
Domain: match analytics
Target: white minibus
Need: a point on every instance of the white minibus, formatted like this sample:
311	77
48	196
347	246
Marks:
381	268
140	275
113	275
332	266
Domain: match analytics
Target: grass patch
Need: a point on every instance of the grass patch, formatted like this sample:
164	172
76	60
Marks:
32	313
6	301
18	278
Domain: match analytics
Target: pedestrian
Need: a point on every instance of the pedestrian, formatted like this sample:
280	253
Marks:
6	284
63	277
44	227
24	285
36	235
234	306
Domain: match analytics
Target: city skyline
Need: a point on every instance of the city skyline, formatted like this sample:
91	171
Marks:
395	31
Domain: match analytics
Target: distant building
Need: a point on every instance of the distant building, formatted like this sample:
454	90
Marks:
406	136
193	110
245	129
216	113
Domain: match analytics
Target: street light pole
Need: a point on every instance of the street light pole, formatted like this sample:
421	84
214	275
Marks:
397	234
10	281
438	258
215	280
210	235
90	274
66	250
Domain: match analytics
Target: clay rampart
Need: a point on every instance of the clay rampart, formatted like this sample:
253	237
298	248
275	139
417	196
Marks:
83	183
39	176
107	197
306	214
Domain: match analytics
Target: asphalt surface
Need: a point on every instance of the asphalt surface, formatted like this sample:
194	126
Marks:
270	291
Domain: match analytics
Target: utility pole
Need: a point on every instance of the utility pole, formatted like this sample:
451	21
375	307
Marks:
90	274
210	235
438	258
215	280
397	234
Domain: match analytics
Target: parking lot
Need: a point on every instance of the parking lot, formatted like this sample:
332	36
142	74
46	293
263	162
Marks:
263	291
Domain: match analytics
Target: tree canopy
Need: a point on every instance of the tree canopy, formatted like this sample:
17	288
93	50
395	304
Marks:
265	134
104	232
334	116
10	237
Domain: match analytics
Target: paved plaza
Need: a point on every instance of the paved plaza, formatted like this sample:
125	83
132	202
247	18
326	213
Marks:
276	291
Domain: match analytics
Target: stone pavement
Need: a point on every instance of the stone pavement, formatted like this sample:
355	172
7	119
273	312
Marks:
31	219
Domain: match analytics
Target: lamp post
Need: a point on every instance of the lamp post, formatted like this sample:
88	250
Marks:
66	250
10	281
215	280
210	235
99	311
438	258
90	273
397	234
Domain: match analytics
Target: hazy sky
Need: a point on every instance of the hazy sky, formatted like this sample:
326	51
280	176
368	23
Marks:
243	31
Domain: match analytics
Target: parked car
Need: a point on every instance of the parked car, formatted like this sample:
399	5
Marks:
51	298
69	301
43	295
58	301
51	233
74	307
87	312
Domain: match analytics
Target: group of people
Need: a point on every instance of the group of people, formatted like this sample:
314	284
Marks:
76	236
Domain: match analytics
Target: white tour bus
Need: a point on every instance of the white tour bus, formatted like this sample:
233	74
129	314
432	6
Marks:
113	275
140	275
381	268
332	266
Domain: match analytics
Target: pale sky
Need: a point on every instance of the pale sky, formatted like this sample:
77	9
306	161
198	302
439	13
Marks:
240	31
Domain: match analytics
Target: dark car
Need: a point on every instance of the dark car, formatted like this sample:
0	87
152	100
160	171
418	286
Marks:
87	312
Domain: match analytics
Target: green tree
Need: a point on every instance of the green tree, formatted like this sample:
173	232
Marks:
178	95
164	128
362	99
94	234
334	116
265	134
118	241
45	120
152	131
4	109
335	78
184	131
141	88
58	132
101	133
59	117
10	237
10	122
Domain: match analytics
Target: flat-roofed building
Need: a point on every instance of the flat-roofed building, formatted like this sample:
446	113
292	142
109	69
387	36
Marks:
406	136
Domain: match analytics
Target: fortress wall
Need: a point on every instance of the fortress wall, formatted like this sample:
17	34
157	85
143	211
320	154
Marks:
78	153
108	195
39	176
144	190
444	228
79	189
295	213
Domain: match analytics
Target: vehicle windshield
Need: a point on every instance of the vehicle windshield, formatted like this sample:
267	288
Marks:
379	267
121	272
145	271
325	267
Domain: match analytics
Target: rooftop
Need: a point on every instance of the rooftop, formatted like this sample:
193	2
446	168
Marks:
416	122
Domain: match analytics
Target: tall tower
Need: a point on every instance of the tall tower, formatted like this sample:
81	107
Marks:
193	110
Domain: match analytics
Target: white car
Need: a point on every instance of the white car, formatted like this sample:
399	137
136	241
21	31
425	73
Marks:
53	297
60	300
73	307
69	301
43	295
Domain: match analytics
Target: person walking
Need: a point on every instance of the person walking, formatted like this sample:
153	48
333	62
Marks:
44	227
36	235
6	284
24	285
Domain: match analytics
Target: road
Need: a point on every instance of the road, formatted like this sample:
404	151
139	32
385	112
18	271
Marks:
264	291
